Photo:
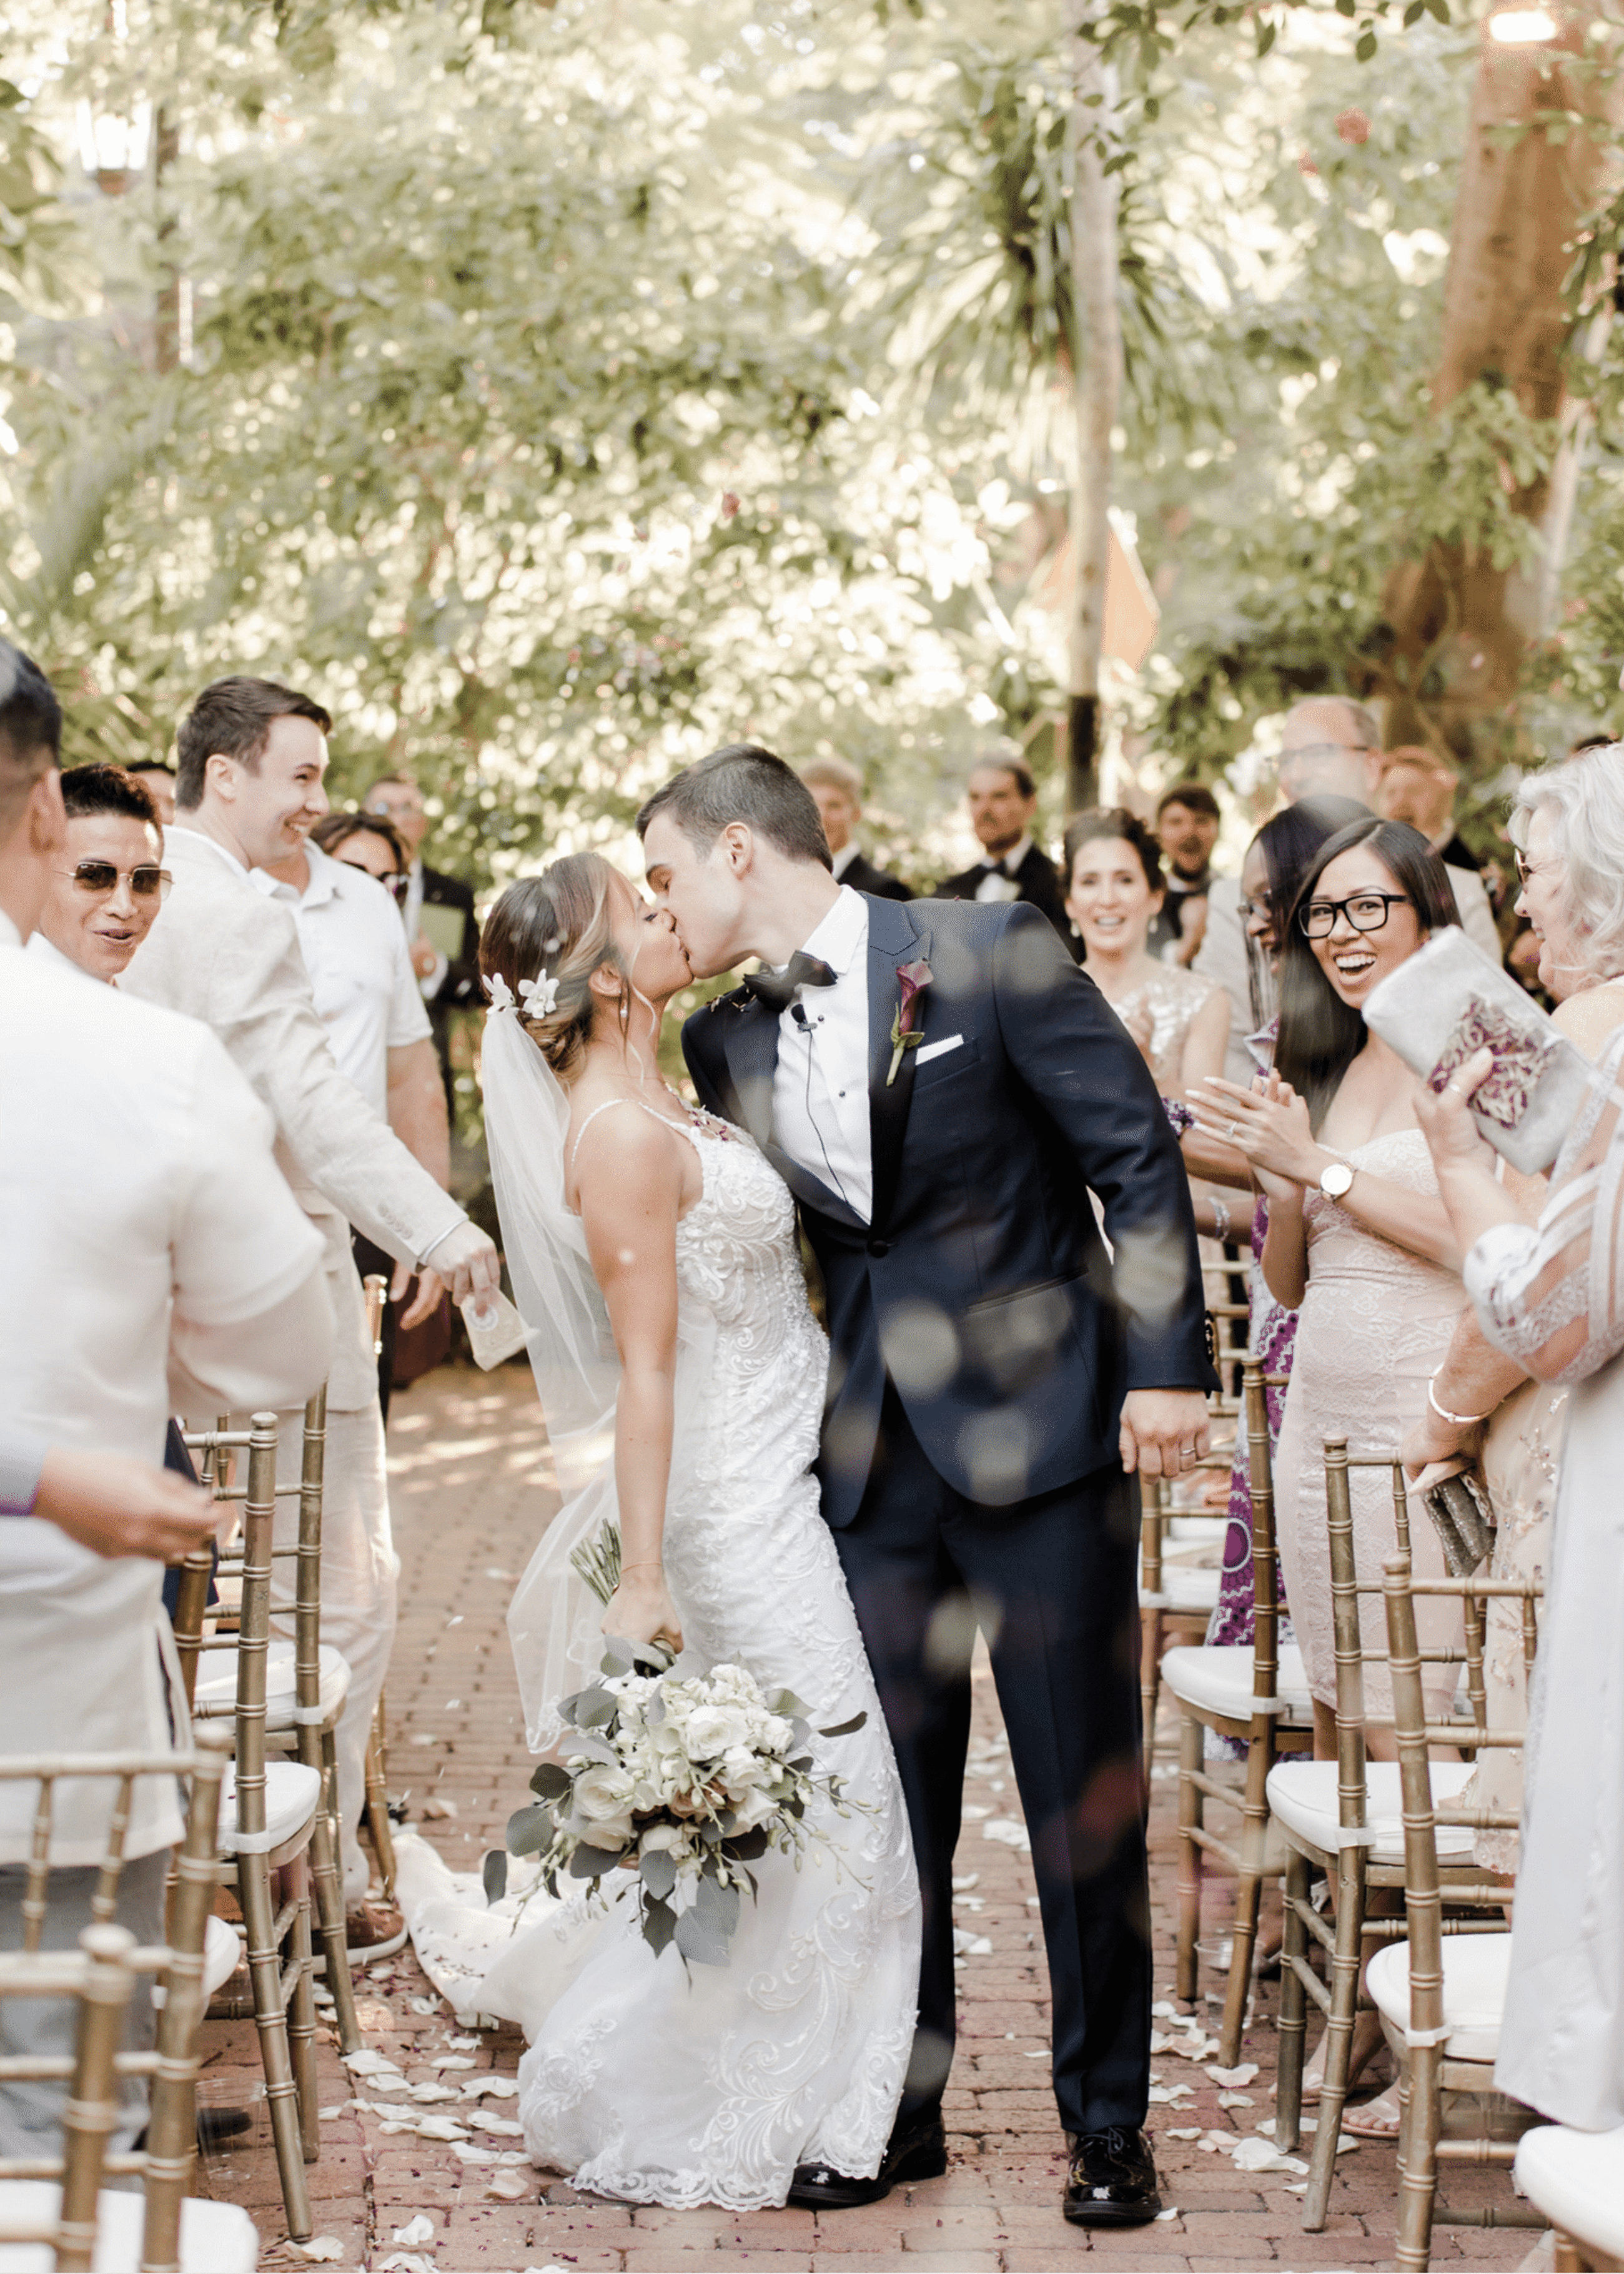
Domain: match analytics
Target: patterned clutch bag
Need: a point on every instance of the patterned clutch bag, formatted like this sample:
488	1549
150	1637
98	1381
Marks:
1448	1002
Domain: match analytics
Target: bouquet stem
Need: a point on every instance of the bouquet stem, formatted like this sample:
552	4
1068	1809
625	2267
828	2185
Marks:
597	1561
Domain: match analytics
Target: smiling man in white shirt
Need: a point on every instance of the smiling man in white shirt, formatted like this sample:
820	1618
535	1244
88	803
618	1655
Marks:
154	1254
252	755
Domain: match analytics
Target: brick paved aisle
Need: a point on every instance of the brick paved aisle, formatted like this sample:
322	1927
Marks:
472	1487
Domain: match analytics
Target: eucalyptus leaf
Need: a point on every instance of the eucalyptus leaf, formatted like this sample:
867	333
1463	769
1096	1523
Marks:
495	1875
593	1863
845	1728
658	1924
551	1781
531	1829
700	1940
658	1867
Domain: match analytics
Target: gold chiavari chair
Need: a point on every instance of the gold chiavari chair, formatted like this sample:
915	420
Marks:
305	1693
380	1831
1344	1818
54	2199
1258	1696
159	2229
269	1817
1441	2002
1179	1578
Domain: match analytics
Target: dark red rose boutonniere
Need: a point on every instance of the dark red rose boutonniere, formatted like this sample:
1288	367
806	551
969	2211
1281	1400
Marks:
913	978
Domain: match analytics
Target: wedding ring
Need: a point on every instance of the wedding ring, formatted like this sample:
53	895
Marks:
1234	1130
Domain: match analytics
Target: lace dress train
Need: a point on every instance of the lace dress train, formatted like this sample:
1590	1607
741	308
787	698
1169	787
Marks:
642	2080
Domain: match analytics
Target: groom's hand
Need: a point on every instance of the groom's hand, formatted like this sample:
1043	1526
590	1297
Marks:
1163	1431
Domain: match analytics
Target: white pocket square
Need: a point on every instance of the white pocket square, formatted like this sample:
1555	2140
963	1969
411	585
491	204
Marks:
929	1051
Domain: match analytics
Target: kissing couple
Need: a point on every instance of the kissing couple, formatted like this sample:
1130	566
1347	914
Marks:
937	1091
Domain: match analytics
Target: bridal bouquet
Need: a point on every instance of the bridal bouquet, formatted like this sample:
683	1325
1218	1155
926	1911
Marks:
684	1782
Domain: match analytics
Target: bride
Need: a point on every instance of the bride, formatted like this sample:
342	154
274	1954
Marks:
681	1371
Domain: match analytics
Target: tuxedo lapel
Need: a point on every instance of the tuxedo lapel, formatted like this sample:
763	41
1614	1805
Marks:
893	939
750	1043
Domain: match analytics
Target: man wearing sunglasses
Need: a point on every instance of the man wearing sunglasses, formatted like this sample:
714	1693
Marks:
109	882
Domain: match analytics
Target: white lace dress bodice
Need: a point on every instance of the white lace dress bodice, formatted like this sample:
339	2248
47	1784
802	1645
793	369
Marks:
642	2080
1375	1324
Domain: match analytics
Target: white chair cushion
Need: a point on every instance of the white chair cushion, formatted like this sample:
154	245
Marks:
1219	1680
1576	2179
1190	1586
1207	1528
217	1696
1303	1794
292	1791
215	2238
1476	1968
223	1951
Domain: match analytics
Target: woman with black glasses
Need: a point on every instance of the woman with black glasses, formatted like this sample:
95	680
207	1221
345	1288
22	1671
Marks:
1360	1243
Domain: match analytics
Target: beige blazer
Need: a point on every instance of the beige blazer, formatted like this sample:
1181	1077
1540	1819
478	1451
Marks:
224	953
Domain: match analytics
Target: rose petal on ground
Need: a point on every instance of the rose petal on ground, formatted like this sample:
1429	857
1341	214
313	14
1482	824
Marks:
431	2092
451	2061
1230	2079
492	2087
1007	1833
418	2229
325	2249
508	2187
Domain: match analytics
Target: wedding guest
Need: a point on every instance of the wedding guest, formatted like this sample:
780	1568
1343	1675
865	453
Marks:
1418	786
1330	747
1358	1241
838	791
108	887
158	778
1548	1297
143	1213
368	841
354	945
1569	827
1003	807
1272	874
1115	891
252	755
1187	825
444	942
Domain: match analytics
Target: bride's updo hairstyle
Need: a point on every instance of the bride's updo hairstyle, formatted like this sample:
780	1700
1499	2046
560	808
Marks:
556	924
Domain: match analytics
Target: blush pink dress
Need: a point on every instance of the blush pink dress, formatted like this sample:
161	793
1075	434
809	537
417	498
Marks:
1375	1324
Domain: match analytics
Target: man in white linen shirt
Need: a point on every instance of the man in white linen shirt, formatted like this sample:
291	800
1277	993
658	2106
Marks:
155	1252
1330	747
251	756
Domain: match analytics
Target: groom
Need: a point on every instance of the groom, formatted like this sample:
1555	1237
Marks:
942	1089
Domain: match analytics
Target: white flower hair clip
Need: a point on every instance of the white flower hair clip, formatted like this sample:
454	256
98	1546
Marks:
539	996
500	993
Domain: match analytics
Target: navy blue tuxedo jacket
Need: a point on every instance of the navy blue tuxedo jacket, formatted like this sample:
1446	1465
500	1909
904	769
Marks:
982	1286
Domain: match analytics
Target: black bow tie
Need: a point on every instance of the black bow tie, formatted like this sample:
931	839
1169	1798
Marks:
996	868
779	988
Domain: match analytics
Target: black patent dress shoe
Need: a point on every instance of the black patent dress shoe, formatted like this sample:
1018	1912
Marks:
1112	2181
919	2152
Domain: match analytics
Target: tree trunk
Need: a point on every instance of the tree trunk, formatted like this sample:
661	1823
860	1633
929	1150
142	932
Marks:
1096	365
1462	627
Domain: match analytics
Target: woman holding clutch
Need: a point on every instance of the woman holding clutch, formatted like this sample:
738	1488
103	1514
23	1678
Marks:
1569	826
1551	1297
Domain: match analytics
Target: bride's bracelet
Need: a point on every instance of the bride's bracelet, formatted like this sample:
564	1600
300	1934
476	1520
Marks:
648	1563
1455	1421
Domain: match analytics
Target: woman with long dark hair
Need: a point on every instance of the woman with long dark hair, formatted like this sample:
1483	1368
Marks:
1359	1244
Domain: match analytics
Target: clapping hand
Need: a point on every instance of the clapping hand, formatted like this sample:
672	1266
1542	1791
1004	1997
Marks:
1268	1124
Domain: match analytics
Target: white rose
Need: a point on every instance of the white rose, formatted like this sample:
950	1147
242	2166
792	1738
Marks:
741	1770
776	1733
756	1808
713	1730
603	1795
663	1838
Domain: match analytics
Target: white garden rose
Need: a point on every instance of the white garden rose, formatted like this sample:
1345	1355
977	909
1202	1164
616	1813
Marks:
715	1729
663	1838
603	1799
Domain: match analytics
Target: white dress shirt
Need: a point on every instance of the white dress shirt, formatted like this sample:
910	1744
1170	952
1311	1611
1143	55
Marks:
145	1224
354	946
821	1089
223	952
999	885
843	859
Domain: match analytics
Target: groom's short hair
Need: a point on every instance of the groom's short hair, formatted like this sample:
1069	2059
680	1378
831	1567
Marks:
743	783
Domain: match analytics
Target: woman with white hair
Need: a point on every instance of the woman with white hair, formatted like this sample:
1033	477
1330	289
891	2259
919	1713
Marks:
1549	1329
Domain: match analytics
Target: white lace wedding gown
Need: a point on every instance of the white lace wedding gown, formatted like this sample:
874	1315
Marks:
642	2080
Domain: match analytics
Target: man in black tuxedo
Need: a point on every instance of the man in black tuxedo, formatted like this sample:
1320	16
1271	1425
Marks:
445	951
942	1088
837	793
1003	805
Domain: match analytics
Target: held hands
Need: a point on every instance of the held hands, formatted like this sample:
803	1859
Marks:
641	1609
1268	1124
115	1505
1163	1431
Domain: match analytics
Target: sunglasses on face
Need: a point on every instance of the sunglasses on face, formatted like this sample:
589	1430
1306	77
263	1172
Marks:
1525	867
100	877
1364	911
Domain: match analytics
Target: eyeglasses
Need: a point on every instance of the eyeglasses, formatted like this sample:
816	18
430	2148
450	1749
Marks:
1364	911
1259	909
1314	752
100	877
1525	867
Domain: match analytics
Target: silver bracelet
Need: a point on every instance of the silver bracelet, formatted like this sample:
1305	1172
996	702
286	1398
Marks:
1220	1219
1455	1421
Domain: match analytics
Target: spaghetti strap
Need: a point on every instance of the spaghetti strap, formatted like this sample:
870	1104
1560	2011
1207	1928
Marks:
607	1106
682	1128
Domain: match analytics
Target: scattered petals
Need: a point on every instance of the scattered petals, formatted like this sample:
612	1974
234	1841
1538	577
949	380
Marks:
508	2187
1231	2079
324	2249
418	2229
